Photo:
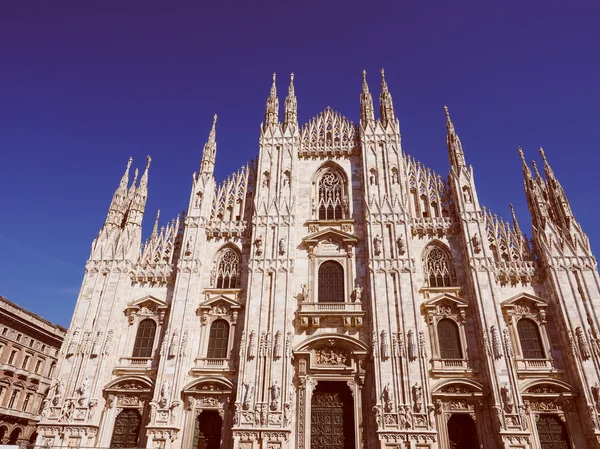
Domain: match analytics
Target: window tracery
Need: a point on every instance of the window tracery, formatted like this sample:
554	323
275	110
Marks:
438	267
227	274
331	198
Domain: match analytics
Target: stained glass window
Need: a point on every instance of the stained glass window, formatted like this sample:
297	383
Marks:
331	197
438	268
228	268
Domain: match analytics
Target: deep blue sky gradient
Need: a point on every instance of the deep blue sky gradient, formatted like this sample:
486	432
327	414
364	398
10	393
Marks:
86	84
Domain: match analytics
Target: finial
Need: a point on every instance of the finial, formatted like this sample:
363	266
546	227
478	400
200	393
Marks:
522	155
541	150
384	86
155	229
291	87
365	86
535	169
135	176
447	112
273	86
148	161
129	162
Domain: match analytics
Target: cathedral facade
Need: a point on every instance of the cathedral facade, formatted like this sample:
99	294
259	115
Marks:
333	294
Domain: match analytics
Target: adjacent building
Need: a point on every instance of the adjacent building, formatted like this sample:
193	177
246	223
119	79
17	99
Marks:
334	293
29	347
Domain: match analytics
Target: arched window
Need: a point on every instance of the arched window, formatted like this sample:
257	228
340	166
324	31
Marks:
228	269
529	336
144	340
218	340
331	282
439	271
332	201
449	339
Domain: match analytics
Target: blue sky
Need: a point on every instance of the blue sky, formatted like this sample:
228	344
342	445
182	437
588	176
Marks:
85	85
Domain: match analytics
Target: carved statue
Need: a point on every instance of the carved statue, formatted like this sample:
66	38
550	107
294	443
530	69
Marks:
330	356
67	411
386	397
417	392
304	292
258	245
92	408
377	244
275	394
45	407
57	389
165	392
596	395
83	391
357	292
282	245
287	412
400	244
247	395
378	416
506	398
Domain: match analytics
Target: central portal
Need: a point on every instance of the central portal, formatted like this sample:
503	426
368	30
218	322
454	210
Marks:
332	417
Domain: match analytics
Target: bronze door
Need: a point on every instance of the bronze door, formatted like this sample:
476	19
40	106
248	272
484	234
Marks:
327	421
127	429
552	433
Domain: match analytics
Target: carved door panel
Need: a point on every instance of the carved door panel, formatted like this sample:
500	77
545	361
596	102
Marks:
327	421
127	429
552	433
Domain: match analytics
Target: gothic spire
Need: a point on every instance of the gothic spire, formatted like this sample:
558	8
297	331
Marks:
290	114
514	218
386	107
455	151
119	202
155	228
366	102
207	165
556	193
144	181
272	112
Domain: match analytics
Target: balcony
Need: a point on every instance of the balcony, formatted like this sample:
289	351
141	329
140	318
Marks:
348	314
535	367
451	366
203	365
135	365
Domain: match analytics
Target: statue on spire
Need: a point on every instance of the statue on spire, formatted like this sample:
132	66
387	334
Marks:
386	106
290	114
207	165
272	112
367	113
455	151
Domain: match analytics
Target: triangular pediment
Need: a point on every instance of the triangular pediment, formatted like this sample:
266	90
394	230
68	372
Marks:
330	234
446	298
215	299
146	301
525	297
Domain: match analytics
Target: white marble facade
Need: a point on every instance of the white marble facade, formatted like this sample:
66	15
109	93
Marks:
334	272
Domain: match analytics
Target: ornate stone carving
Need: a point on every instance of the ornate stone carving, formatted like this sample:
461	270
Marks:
387	398
496	348
165	393
385	350
506	398
584	349
251	345
247	395
412	347
377	242
277	346
357	293
275	394
331	356
417	393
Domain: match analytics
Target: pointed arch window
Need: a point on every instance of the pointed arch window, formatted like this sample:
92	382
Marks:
218	340
449	339
529	337
438	267
331	282
144	339
331	199
228	269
